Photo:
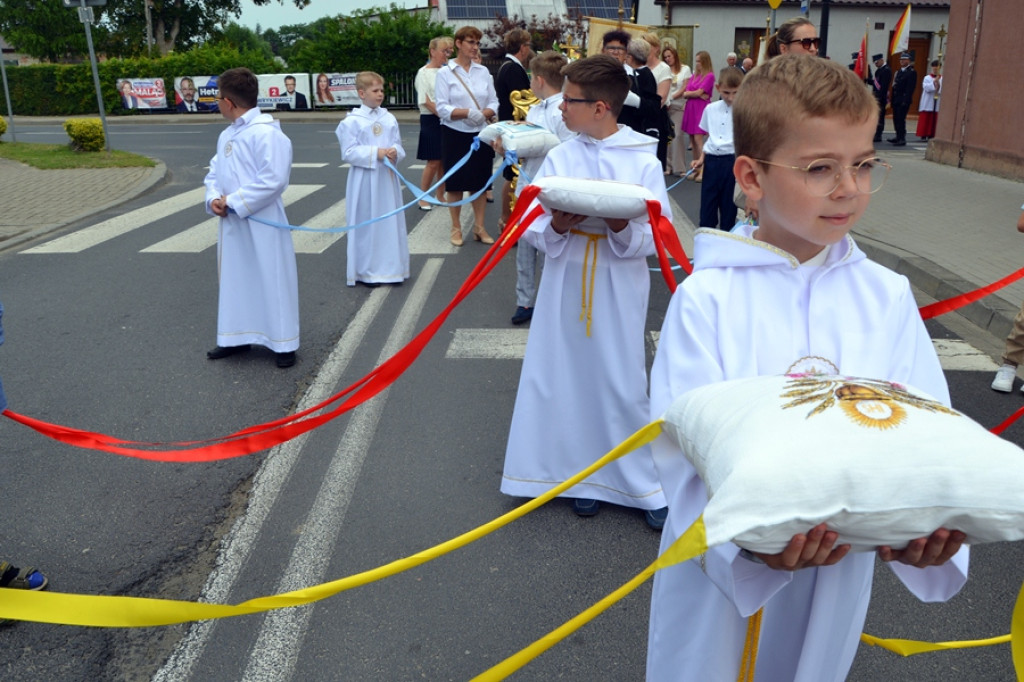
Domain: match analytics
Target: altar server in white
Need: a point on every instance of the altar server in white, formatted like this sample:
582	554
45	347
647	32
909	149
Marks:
378	253
792	294
259	285
583	387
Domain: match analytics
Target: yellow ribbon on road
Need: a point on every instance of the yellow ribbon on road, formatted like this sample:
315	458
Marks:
132	612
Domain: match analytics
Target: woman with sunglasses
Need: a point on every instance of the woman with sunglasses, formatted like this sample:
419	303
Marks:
795	36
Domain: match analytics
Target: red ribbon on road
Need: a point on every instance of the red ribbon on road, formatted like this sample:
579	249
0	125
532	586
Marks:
951	304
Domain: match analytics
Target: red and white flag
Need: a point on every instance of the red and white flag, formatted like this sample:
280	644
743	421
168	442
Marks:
860	67
901	33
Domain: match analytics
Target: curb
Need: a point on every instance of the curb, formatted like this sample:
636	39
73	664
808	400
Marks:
157	175
991	314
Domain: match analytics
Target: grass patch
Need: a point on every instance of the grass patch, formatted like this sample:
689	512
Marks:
51	156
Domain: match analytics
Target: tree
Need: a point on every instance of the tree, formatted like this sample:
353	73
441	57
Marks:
242	39
283	41
549	33
386	41
45	29
176	24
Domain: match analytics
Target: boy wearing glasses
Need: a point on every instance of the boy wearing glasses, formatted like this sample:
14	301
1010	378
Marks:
792	294
259	283
583	387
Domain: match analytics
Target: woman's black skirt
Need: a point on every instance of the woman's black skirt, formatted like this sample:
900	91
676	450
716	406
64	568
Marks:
429	147
477	170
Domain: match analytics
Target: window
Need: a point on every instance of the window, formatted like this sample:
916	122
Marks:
476	9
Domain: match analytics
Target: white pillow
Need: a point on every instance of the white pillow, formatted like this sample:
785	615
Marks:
878	463
590	197
527	140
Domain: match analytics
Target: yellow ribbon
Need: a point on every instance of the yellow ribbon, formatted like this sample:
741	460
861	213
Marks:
127	612
587	302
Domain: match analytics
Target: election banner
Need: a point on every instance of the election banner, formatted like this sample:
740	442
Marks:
336	90
193	94
142	93
284	92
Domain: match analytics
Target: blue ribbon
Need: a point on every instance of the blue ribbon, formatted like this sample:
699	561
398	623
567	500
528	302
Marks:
510	158
676	183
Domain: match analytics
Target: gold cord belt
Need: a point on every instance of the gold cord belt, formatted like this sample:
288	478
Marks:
587	301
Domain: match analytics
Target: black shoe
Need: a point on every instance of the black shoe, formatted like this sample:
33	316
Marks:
656	517
585	507
893	140
368	285
899	143
225	351
878	138
285	359
523	315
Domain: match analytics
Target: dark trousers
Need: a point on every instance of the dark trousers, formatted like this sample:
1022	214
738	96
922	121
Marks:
880	128
717	191
899	120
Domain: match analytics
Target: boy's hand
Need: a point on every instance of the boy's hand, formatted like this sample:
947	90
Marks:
803	551
219	206
934	550
616	224
562	222
392	154
381	153
697	163
499	148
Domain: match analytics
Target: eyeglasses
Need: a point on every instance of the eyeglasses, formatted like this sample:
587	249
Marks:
573	100
806	43
614	48
823	176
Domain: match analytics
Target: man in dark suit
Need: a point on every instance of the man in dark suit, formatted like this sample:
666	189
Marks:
904	82
189	103
298	99
880	89
511	76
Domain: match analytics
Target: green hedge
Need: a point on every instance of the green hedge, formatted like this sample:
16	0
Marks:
67	89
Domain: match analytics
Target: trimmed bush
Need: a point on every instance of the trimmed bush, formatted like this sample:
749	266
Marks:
3	126
86	134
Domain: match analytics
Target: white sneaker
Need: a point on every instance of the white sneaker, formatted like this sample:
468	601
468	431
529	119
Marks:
1004	379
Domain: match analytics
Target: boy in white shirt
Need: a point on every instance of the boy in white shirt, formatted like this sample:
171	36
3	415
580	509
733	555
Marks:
583	387
546	84
717	206
792	294
378	253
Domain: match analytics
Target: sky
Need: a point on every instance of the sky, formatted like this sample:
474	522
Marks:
275	14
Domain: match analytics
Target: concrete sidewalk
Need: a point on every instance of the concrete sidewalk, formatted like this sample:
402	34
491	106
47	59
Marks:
948	230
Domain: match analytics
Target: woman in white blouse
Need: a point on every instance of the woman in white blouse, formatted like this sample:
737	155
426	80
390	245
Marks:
680	76
466	101
429	147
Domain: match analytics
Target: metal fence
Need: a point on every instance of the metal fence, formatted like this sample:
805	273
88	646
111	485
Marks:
403	90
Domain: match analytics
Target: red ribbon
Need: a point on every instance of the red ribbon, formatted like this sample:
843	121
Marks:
665	237
951	304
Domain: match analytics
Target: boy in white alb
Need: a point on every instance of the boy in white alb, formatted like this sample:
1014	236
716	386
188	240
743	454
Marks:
546	84
378	253
792	294
259	283
583	387
717	206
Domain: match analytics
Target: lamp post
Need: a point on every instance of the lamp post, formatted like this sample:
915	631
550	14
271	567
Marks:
7	97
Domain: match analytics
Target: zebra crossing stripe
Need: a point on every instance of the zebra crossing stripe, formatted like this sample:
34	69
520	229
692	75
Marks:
80	240
200	237
318	242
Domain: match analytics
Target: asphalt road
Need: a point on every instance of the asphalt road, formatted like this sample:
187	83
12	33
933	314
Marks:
112	339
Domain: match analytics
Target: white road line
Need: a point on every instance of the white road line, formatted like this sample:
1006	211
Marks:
960	355
318	242
488	344
267	486
80	240
277	648
198	238
309	165
432	233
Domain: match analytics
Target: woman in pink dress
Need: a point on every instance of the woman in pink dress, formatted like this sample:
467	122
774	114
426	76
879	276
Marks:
697	94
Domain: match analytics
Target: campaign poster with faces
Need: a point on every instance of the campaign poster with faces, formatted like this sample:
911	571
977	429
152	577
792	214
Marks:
142	93
335	90
284	92
195	94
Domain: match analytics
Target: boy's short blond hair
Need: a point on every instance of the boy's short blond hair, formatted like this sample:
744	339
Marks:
730	77
367	79
548	65
777	96
600	77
